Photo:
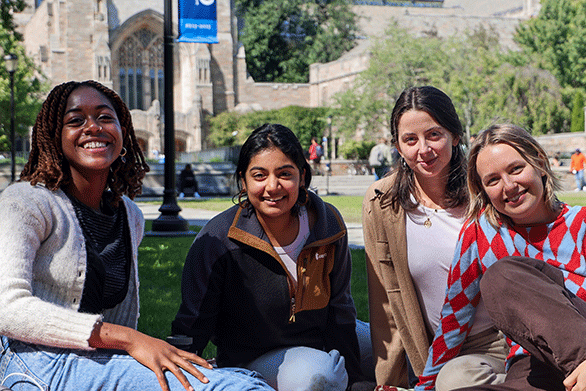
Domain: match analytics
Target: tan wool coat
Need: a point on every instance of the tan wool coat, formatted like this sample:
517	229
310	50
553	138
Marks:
396	321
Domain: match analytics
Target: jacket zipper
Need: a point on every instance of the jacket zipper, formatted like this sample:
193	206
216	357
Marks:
292	315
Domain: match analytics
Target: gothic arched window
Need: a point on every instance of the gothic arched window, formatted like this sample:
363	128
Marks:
141	69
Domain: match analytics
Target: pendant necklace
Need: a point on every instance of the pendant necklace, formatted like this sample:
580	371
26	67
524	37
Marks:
427	222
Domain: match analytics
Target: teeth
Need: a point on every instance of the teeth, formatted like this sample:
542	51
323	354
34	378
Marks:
94	144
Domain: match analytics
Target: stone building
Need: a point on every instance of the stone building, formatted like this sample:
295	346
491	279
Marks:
120	43
452	17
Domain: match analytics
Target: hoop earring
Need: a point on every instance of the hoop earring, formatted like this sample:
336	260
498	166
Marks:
242	203
122	154
306	196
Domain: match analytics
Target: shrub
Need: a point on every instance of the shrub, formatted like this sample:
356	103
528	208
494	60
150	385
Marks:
577	124
356	150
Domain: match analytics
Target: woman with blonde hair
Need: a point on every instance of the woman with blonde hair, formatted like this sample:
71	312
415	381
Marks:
522	253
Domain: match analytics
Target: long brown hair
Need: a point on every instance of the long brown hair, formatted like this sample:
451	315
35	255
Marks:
46	163
440	107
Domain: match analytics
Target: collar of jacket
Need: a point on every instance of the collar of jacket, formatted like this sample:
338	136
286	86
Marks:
325	225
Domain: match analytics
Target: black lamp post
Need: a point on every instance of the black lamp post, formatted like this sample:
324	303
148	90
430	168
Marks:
329	165
11	61
169	222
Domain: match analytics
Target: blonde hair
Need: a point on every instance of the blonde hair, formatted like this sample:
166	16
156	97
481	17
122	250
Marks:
519	139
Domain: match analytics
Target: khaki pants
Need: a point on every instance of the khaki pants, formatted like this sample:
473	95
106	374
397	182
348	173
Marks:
481	361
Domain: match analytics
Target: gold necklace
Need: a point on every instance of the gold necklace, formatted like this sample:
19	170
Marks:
427	222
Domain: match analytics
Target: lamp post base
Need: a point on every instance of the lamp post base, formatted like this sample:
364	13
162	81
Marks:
169	223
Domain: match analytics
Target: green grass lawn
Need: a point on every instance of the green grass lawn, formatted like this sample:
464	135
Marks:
349	206
161	261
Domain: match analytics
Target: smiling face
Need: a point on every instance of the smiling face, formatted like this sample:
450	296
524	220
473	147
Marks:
91	138
513	186
425	145
272	181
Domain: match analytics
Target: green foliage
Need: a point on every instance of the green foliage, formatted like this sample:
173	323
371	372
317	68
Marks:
356	150
282	38
485	83
28	89
7	9
577	113
556	38
228	129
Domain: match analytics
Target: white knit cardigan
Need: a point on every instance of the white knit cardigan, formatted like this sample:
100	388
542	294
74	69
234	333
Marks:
42	269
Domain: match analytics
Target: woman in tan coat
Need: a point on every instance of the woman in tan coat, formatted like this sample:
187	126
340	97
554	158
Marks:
411	221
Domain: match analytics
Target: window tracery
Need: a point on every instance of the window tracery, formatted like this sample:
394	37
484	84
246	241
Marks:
141	69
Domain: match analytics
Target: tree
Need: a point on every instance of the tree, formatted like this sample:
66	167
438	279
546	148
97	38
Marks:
556	38
28	87
7	9
577	113
231	128
483	81
283	37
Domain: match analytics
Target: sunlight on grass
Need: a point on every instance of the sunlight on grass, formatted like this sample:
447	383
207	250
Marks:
161	262
349	206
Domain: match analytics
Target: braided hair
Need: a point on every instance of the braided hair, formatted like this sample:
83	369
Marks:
47	164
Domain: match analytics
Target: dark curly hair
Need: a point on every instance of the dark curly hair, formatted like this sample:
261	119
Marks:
46	163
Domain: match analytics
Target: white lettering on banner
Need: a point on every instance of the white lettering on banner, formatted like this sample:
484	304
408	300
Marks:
198	26
205	2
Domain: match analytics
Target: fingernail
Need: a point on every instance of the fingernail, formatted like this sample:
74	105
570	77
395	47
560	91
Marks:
206	379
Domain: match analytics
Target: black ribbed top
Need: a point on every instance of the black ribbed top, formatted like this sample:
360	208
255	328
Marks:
107	241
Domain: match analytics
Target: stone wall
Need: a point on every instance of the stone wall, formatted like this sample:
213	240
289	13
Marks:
565	143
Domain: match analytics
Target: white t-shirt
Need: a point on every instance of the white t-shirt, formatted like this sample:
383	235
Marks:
290	253
430	250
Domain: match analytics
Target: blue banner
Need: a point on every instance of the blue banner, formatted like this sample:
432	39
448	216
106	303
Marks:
197	21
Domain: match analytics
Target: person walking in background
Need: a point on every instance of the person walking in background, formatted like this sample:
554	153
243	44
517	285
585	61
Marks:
521	254
382	158
315	154
187	183
411	220
69	235
577	168
268	280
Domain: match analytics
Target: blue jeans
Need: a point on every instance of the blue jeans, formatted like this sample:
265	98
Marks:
579	175
32	367
301	368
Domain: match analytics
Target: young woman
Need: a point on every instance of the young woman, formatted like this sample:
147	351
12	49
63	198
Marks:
268	280
411	221
522	252
69	235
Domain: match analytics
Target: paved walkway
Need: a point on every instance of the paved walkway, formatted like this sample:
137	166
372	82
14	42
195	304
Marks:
200	217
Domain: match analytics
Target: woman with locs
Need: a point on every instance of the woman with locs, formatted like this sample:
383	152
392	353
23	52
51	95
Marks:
69	235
